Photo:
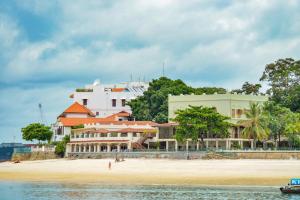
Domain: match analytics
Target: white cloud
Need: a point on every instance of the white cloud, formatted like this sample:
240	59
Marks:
203	42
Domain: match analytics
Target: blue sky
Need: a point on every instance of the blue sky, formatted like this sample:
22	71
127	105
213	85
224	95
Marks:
48	48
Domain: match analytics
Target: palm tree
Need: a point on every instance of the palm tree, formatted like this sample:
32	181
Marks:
255	125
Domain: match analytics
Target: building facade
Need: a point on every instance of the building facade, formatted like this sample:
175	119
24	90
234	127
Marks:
107	99
112	136
117	136
78	114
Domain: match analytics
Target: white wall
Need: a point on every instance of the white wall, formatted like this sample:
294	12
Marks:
101	101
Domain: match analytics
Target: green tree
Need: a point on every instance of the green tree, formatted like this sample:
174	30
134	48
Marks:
199	122
283	76
37	131
153	105
278	118
209	90
248	88
60	147
256	126
292	130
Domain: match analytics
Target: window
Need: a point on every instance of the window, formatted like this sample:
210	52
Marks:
114	102
123	134
114	135
59	131
239	113
233	113
103	135
123	102
97	113
84	101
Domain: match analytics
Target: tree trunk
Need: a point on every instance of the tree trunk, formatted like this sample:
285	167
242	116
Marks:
278	140
254	144
264	144
202	141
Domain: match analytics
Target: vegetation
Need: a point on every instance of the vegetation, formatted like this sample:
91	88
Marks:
60	147
248	88
278	119
153	105
283	77
292	131
37	131
77	127
199	122
256	126
84	90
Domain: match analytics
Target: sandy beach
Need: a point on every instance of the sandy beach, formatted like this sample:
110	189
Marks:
146	171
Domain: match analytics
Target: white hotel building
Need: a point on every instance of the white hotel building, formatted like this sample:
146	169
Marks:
107	99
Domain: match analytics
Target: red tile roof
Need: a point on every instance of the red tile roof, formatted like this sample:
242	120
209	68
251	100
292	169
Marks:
101	130
136	130
93	141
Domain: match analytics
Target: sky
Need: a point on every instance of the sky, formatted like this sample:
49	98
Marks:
49	48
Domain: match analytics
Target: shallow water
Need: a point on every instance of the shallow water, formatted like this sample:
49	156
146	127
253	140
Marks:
53	191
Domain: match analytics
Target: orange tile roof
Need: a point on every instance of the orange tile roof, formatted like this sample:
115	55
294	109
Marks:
119	114
78	108
117	89
78	121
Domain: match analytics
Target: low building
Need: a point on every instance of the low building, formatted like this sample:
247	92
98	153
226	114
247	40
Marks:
233	106
78	114
107	136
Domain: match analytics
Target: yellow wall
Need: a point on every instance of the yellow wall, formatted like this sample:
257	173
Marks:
224	103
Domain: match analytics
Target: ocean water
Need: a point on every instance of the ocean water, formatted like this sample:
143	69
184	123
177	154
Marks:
64	191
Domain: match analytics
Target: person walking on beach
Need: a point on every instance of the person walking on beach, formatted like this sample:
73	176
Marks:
109	165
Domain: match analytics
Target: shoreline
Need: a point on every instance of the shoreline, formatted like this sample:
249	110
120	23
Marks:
154	172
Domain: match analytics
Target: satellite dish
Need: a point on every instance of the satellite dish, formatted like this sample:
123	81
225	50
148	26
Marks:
96	82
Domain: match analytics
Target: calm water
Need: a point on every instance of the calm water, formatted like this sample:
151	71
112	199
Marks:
53	191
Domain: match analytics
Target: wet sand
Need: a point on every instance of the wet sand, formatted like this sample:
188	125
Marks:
147	171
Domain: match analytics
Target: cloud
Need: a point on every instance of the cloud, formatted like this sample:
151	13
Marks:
46	45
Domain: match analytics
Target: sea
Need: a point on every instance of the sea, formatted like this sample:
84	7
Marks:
65	191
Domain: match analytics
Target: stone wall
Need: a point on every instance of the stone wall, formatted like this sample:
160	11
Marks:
269	155
192	155
33	156
149	155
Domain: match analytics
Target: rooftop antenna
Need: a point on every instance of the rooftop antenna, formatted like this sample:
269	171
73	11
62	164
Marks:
163	72
41	113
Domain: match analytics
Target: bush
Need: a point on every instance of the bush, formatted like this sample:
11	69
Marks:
60	147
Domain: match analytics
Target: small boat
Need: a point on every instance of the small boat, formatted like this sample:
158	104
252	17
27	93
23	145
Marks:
292	188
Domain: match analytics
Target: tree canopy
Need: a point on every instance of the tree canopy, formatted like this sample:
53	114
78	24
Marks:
256	125
37	131
197	122
283	77
248	88
153	105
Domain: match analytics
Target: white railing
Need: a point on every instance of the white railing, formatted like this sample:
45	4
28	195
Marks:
42	149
